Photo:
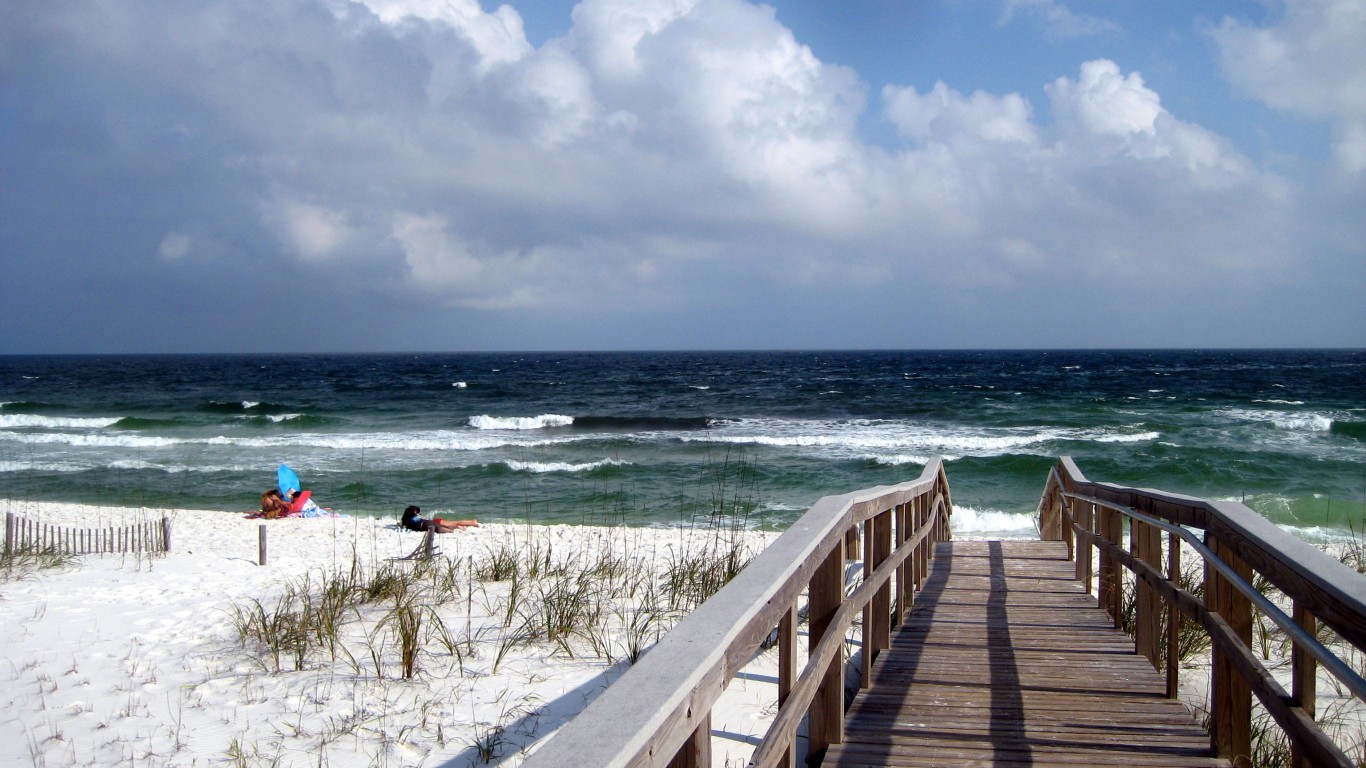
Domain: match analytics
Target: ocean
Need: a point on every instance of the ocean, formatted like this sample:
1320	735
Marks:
670	438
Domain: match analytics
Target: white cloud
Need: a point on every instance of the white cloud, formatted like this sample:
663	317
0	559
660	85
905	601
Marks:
174	246
313	232
945	115
440	262
1310	61
1058	19
1103	100
664	153
499	36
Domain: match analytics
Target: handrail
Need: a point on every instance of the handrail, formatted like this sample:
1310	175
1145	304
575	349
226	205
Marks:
1339	669
1237	541
658	712
778	739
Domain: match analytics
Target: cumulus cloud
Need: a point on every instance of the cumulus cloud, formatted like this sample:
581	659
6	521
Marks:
1058	19
1311	61
664	155
314	232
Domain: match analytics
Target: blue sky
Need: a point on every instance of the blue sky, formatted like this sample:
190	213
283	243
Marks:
324	175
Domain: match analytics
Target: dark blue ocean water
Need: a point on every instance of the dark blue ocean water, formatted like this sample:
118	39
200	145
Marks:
658	438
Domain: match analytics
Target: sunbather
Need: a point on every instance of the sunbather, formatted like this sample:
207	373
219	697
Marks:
413	522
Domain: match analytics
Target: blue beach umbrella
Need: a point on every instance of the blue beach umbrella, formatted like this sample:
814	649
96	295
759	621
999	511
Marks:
288	479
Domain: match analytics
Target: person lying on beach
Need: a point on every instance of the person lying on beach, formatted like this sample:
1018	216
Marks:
273	505
413	522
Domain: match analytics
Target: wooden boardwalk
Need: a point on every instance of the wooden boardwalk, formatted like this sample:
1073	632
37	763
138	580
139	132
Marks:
1005	661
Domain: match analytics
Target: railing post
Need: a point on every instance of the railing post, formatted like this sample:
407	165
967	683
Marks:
1146	545
825	721
903	591
1065	520
696	751
1174	617
878	635
1304	684
921	555
1230	696
787	672
1050	512
1108	597
1086	555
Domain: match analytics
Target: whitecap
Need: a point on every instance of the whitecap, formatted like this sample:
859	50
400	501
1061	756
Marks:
28	421
1289	421
903	459
520	422
105	440
969	521
459	384
541	467
247	405
1137	437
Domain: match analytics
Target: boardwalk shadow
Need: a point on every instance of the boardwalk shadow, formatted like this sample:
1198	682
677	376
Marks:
1006	733
1007	727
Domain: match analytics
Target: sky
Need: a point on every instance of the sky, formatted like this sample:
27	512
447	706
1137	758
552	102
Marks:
450	175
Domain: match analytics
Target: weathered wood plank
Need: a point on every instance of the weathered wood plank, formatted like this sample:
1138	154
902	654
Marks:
1006	661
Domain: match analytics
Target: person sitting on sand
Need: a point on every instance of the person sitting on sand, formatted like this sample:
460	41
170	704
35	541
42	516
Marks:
273	505
413	522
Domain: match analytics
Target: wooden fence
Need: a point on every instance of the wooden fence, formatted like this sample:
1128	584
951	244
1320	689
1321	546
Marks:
1095	519
659	712
23	533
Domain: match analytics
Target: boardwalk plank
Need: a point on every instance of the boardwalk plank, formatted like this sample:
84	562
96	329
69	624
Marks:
1005	661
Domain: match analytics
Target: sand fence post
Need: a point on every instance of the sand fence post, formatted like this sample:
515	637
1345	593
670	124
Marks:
165	534
261	544
10	531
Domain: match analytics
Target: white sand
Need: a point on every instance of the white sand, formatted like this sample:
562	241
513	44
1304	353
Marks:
127	659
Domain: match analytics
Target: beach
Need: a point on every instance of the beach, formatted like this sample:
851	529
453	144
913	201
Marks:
136	659
472	657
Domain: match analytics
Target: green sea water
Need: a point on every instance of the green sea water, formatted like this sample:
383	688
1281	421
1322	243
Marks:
669	438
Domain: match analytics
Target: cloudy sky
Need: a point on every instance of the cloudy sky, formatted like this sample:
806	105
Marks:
325	175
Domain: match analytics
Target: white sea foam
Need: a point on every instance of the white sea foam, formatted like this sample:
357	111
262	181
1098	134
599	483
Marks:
1287	420
277	418
43	466
520	422
541	467
968	521
1112	437
436	440
103	440
901	459
247	405
459	384
30	421
861	438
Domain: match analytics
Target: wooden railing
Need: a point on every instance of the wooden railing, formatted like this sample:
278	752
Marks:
659	712
1095	519
24	533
